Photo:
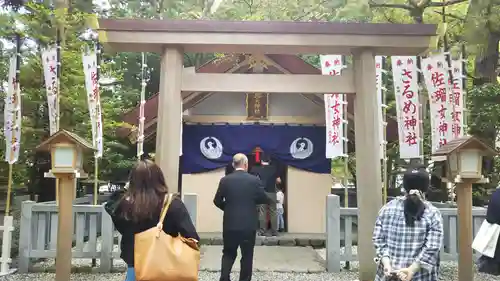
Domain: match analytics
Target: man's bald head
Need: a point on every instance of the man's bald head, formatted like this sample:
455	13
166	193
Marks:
240	161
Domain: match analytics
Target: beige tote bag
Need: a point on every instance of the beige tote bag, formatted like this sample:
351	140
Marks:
161	257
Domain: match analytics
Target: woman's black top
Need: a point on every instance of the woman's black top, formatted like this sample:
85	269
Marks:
176	221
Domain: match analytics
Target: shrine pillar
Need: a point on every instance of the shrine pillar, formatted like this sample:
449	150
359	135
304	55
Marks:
368	166
168	141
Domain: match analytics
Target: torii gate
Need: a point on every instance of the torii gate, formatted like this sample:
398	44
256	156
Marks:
363	41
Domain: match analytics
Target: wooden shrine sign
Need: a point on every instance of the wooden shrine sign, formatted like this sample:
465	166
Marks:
257	106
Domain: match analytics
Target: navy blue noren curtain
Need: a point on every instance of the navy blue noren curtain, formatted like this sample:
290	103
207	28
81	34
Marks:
208	147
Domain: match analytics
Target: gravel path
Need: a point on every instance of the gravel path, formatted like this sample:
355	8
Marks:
446	275
449	272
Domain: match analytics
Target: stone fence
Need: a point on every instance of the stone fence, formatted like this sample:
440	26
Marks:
95	237
336	216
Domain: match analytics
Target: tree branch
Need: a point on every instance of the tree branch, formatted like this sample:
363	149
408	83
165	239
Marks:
387	5
446	3
161	6
450	15
309	12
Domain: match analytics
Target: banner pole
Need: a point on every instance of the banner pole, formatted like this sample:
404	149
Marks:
9	189
345	180
464	92
422	103
96	180
346	157
96	117
16	94
58	91
384	132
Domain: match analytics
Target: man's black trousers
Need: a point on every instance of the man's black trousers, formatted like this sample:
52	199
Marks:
245	240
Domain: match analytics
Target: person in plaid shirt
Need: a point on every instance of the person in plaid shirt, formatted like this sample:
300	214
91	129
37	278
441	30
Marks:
409	233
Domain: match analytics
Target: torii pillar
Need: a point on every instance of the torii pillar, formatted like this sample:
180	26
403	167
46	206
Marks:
168	142
368	166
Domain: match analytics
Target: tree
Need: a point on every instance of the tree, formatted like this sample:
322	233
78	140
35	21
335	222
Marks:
39	31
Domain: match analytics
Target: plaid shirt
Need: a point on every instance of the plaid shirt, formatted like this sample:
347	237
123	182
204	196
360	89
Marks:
404	244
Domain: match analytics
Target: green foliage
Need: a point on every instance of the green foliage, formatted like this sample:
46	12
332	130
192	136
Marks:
469	24
38	33
484	108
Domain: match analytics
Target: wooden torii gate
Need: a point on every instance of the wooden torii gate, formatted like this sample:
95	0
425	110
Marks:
363	41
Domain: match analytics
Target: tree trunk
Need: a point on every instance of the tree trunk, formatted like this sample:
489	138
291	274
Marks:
486	63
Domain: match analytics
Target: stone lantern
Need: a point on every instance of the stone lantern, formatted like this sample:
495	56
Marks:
66	150
462	161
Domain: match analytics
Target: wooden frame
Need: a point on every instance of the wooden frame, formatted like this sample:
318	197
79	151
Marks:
267	83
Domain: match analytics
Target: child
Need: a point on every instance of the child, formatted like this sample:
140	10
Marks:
280	198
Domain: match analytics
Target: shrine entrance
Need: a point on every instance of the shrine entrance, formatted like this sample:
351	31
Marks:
362	41
254	161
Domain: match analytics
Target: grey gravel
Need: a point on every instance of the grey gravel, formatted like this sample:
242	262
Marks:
449	272
446	275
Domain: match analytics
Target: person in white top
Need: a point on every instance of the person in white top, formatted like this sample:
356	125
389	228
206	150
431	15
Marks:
280	198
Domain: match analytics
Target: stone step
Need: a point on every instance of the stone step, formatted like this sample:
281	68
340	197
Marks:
314	240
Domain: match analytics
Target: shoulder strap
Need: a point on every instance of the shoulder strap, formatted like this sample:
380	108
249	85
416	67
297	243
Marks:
166	204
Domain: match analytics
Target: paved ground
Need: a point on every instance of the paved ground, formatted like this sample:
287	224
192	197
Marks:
446	275
269	258
270	264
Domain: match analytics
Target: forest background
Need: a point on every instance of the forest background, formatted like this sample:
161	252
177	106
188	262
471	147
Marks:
470	25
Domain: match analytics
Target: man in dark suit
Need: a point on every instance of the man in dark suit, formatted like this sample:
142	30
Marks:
268	175
238	195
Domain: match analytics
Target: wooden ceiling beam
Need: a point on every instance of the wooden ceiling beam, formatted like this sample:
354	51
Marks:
268	83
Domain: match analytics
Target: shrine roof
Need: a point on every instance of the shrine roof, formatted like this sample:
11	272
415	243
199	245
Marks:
282	27
464	142
284	37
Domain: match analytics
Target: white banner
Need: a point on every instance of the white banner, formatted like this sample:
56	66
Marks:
405	79
12	115
380	104
331	64
94	100
140	129
435	73
334	112
142	103
457	98
49	62
334	109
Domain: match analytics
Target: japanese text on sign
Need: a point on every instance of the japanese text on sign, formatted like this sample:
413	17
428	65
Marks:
334	109
12	115
49	61
93	100
407	105
456	98
435	76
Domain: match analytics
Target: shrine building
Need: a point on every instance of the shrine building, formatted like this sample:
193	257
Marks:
289	127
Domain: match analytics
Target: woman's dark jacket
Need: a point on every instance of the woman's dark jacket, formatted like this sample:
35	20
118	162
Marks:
176	221
493	216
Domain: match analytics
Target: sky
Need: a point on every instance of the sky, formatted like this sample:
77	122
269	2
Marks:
103	4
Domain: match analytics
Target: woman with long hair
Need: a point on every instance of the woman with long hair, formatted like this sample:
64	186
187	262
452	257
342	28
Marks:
409	233
138	208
